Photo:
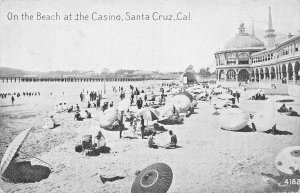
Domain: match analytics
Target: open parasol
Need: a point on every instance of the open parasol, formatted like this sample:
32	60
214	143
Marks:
233	119
181	102
156	178
166	112
148	113
109	118
12	149
186	94
265	119
288	158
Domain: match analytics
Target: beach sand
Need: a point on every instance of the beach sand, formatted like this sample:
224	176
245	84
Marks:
209	159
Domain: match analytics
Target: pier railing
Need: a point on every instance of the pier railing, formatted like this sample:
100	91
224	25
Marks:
75	79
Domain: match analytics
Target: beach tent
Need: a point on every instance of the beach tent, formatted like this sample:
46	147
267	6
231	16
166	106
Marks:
287	158
181	102
156	178
233	119
12	149
188	78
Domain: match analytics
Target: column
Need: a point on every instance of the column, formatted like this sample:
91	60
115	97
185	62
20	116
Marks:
259	77
294	77
270	76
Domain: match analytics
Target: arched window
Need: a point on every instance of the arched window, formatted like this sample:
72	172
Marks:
231	59
222	59
243	58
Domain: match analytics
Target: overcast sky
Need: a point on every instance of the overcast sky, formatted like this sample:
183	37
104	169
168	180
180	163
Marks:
148	45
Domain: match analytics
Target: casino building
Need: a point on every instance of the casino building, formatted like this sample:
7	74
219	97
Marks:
245	58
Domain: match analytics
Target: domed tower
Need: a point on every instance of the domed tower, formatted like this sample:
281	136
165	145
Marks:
233	61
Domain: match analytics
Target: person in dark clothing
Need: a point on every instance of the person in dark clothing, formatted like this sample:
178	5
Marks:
121	125
173	143
88	114
111	104
89	105
13	100
78	117
142	126
238	97
105	179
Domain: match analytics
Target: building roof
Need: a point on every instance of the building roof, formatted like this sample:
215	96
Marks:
243	40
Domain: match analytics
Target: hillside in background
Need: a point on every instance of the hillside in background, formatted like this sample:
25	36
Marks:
11	72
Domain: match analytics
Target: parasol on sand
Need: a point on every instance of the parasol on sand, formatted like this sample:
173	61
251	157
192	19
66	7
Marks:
265	119
156	178
288	158
166	112
233	119
12	149
181	102
148	113
110	116
187	94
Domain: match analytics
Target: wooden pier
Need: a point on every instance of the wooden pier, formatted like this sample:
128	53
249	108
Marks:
72	79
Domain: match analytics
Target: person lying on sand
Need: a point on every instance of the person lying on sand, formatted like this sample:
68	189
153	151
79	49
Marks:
173	143
291	112
70	109
151	142
111	179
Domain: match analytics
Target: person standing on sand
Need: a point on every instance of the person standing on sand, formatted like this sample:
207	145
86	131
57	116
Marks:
121	125
13	100
142	126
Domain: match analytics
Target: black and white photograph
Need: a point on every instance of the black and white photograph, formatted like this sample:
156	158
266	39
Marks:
150	96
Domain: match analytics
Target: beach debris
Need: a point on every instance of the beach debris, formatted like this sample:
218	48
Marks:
156	178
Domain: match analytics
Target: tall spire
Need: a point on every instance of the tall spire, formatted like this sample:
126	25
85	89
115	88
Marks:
270	35
253	31
270	19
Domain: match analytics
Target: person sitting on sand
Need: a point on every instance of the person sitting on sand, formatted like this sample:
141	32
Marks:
283	109
173	143
89	105
70	109
99	140
77	107
251	121
78	117
54	122
88	114
151	142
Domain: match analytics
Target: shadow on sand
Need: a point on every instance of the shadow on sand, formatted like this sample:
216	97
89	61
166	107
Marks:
24	172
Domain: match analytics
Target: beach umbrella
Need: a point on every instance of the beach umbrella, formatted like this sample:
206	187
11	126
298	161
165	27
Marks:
109	117
265	118
225	96
166	112
187	94
12	149
124	105
287	158
233	119
156	178
148	113
181	102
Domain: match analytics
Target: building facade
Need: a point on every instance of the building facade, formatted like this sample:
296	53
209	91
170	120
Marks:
246	58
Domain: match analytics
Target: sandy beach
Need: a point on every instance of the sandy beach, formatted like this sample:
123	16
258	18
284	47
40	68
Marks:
209	159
